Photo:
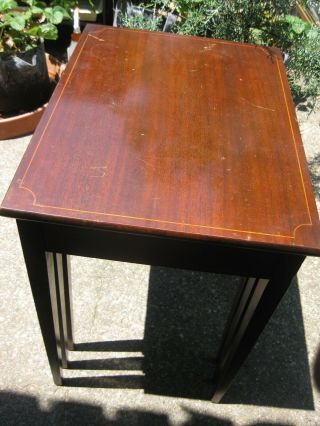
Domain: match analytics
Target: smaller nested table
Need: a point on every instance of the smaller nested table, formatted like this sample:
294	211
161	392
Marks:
167	150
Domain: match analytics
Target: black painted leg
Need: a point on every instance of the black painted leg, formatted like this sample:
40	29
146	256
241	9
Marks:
35	258
257	302
237	311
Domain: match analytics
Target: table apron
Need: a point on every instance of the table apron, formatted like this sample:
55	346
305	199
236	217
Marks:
162	251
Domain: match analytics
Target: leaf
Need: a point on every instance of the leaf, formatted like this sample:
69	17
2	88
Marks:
298	26
7	5
54	15
27	14
61	10
314	33
29	47
257	35
17	22
48	31
57	15
48	12
34	31
36	10
29	2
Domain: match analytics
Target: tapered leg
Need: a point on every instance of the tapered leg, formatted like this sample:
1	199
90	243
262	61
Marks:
60	291
56	284
35	258
237	311
66	299
254	308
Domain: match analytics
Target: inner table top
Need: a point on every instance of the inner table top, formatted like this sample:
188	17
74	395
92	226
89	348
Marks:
175	135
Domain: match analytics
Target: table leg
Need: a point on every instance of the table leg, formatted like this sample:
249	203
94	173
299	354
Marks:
257	302
33	247
237	311
56	284
66	299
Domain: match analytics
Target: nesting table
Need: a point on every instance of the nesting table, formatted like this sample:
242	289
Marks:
167	150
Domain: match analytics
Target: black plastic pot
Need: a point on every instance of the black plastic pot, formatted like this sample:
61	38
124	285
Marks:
58	48
24	81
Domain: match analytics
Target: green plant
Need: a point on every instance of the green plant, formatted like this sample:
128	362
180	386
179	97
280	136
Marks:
303	67
141	22
23	24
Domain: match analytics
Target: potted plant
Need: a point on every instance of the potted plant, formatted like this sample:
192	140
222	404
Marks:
24	81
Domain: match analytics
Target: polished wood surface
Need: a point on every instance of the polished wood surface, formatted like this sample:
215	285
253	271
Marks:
171	135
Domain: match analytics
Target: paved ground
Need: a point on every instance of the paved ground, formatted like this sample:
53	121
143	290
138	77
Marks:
166	323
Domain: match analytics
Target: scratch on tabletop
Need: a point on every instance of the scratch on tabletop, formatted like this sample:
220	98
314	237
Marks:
258	106
97	38
100	170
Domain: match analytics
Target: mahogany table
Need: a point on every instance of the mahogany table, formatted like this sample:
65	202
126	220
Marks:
167	150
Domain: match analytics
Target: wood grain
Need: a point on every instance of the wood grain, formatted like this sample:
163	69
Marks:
171	135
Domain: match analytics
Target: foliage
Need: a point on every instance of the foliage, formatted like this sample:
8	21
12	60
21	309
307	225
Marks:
141	21
23	25
66	4
267	22
303	66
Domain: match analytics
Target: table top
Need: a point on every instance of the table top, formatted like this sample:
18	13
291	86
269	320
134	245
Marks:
173	135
